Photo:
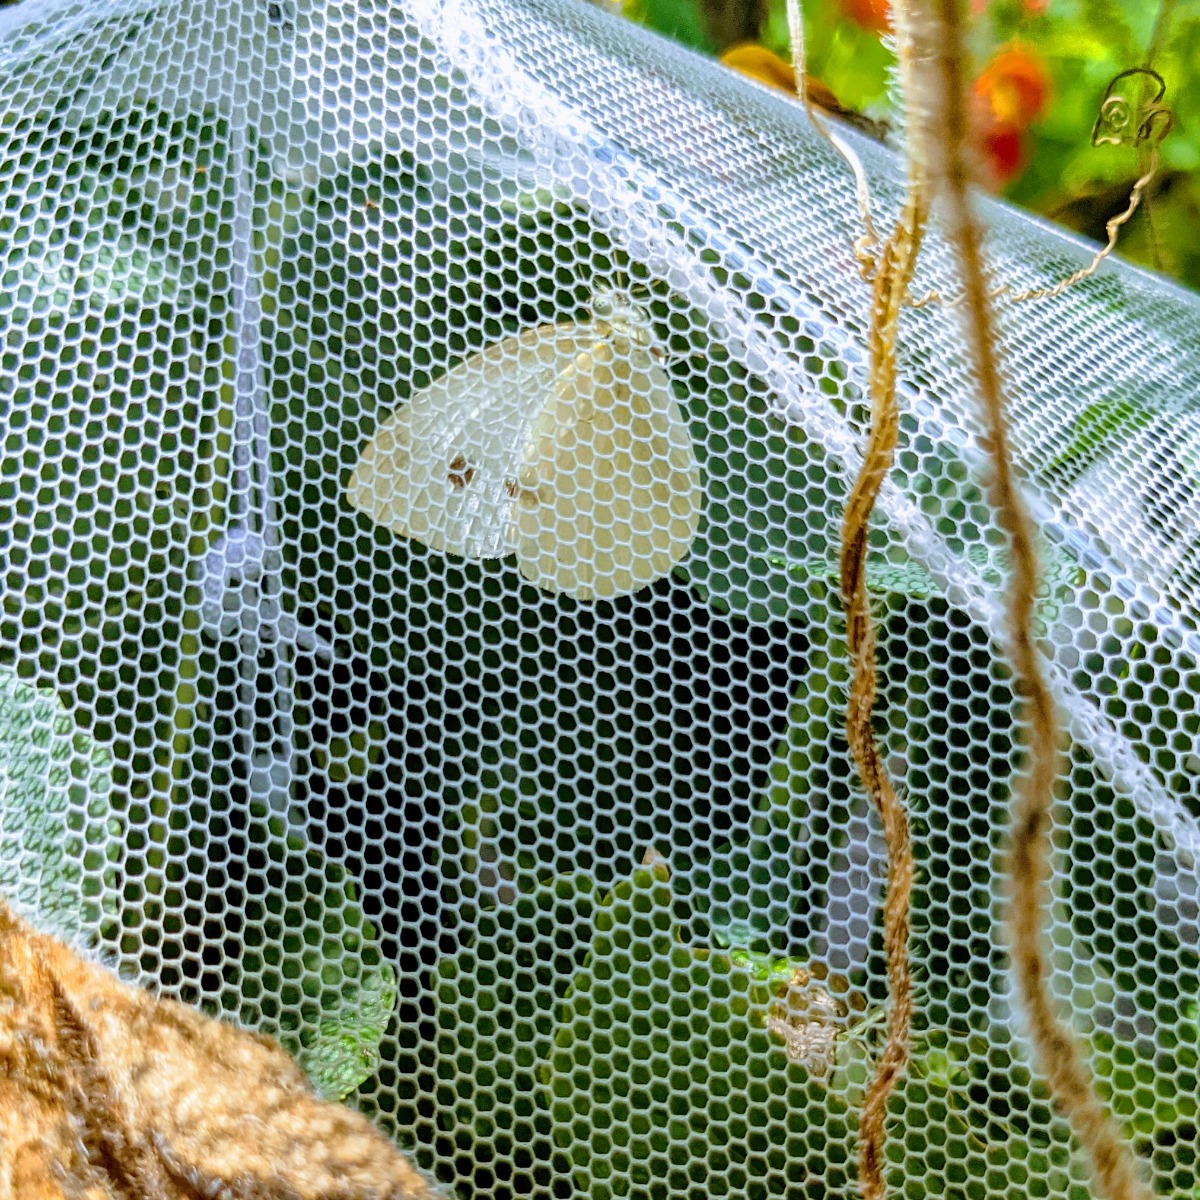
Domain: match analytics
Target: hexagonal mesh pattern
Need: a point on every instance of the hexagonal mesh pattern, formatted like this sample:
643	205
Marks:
424	435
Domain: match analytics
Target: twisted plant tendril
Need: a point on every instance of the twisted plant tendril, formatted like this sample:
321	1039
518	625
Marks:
1142	124
1112	229
896	264
1028	866
890	272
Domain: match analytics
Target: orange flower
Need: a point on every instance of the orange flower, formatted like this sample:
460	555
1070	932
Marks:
1015	87
1002	149
875	16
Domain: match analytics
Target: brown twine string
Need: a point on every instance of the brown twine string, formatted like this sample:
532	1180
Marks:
1028	866
891	286
894	268
890	273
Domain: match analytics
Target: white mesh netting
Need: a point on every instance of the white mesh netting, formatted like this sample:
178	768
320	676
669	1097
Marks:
475	724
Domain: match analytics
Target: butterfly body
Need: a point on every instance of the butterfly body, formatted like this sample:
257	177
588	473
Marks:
562	445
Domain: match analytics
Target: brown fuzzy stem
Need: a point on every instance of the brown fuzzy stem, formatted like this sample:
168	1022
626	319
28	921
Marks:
891	272
1028	867
890	288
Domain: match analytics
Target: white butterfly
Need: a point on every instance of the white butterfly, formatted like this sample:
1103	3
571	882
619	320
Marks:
563	445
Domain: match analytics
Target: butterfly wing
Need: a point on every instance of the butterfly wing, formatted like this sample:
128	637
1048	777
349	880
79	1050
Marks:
609	494
441	469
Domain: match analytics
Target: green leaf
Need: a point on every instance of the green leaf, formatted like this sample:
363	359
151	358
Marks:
113	270
54	808
757	557
776	586
746	892
497	1001
313	970
663	1067
910	580
1152	1090
96	540
1095	434
763	481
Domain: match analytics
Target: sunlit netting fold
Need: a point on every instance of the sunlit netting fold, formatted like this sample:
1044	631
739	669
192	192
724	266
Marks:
321	713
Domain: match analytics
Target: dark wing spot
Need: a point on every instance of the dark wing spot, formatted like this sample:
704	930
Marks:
510	486
461	472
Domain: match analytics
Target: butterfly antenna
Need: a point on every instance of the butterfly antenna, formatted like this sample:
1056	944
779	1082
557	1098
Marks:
642	290
579	289
622	282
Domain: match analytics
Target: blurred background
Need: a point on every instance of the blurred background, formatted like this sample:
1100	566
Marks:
1042	68
1041	72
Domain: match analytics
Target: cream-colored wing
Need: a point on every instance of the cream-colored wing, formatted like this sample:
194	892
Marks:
441	469
608	495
